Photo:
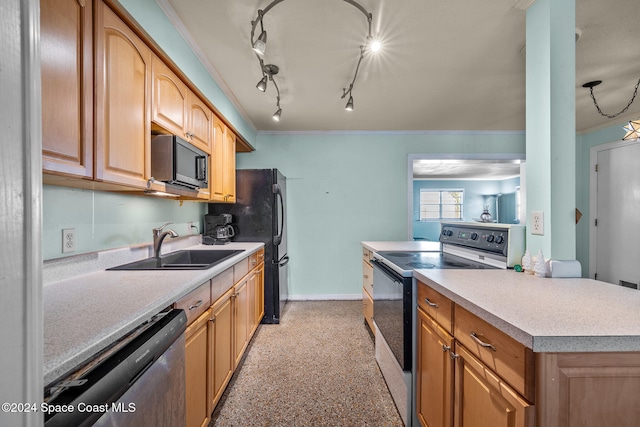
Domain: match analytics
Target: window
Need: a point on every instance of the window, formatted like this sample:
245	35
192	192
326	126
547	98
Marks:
440	204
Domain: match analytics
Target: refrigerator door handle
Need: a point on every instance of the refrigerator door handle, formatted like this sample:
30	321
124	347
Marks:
277	239
282	261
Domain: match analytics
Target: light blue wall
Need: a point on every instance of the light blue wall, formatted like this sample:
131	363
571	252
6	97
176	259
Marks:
109	220
477	194
346	188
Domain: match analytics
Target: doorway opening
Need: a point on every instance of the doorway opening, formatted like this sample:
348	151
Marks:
492	184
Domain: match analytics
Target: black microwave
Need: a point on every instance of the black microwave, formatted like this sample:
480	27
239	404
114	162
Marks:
176	161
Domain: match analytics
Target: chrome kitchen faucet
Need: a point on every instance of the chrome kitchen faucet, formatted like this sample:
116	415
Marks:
158	237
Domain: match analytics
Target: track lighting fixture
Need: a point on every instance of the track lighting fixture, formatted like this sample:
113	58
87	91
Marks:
259	46
262	84
349	106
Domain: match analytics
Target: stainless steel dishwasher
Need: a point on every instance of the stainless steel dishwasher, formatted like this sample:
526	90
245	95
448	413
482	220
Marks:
140	381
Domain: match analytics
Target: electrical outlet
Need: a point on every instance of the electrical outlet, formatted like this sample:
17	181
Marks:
68	240
537	223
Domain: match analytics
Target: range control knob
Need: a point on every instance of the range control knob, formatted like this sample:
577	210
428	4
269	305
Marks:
499	239
490	238
474	236
447	232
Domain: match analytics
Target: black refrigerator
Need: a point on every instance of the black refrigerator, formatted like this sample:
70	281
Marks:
259	214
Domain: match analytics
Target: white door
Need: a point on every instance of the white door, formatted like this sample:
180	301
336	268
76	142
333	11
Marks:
617	231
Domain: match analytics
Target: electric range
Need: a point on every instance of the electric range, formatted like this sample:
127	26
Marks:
463	246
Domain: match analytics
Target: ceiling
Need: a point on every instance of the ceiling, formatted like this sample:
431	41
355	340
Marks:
465	169
444	65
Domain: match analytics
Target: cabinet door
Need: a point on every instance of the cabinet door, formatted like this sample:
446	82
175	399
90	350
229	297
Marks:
367	308
230	167
169	105
434	386
241	319
251	303
223	170
222	346
197	367
483	400
260	291
123	122
200	124
67	86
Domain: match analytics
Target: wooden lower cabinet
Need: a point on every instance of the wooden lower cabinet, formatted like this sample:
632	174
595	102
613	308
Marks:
482	399
216	340
367	288
434	376
241	318
222	331
588	389
197	367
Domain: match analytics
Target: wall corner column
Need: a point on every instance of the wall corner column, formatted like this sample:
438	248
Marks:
550	126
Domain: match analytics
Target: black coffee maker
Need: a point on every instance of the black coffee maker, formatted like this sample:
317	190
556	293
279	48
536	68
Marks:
217	229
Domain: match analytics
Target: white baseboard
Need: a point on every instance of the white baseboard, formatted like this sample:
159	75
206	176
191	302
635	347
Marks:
326	297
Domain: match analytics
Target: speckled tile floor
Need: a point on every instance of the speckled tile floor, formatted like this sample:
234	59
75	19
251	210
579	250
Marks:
316	368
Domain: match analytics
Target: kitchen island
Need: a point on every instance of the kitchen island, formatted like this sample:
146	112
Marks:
527	351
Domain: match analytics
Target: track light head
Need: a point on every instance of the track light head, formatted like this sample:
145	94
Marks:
349	106
262	84
260	45
277	114
374	44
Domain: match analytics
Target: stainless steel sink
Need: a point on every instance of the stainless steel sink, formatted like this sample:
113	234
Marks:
181	260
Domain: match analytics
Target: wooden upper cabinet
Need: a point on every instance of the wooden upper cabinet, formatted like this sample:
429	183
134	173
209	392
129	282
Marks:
123	120
223	170
66	46
178	110
200	119
169	108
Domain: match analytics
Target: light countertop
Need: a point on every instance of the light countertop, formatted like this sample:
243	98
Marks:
85	313
407	245
546	314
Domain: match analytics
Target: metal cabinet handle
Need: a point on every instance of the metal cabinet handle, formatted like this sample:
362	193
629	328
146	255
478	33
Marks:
445	348
366	276
431	304
196	305
482	343
213	319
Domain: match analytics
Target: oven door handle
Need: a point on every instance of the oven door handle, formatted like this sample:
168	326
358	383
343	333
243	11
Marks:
387	271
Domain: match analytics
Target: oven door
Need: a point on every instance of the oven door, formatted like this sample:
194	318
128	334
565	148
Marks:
392	311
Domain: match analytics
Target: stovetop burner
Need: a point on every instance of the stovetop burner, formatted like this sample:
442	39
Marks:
405	262
420	265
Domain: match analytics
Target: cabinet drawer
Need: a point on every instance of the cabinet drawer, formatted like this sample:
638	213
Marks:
196	302
508	358
436	305
240	270
367	277
255	259
367	255
221	284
